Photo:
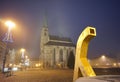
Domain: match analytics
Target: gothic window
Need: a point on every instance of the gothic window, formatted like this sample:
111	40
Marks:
54	56
67	54
61	55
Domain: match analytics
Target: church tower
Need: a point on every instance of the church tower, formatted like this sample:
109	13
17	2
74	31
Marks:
44	38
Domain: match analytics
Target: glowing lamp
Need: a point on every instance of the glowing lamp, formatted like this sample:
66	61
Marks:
22	50
10	24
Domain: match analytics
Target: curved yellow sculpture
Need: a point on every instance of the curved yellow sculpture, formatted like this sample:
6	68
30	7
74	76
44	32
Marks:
82	66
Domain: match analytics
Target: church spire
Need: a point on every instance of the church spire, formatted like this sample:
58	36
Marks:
45	21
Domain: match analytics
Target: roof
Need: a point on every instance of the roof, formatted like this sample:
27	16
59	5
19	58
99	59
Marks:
52	37
60	43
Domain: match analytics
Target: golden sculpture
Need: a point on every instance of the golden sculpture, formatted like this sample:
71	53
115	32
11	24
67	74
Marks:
82	66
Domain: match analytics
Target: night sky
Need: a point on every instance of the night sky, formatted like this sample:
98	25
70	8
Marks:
66	18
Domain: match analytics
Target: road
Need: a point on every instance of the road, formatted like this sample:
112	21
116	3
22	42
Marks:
39	76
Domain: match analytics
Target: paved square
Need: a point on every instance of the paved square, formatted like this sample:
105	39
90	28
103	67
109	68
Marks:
40	76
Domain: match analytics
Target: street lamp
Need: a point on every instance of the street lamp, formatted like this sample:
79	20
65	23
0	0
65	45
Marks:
8	36
10	24
7	39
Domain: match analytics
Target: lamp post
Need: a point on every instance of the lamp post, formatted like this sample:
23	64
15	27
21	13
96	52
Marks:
7	39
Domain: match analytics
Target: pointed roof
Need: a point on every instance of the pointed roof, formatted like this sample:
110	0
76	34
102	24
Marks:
53	37
45	21
60	44
60	41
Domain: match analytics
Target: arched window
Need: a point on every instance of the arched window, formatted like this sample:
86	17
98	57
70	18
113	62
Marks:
67	55
61	56
71	60
54	56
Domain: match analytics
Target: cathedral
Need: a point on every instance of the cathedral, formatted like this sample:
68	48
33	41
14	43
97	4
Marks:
55	51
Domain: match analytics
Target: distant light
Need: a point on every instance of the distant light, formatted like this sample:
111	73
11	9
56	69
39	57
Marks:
36	65
103	57
114	64
10	64
5	69
14	69
10	24
22	50
26	57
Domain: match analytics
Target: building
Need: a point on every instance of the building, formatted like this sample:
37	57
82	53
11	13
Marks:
55	51
2	52
10	58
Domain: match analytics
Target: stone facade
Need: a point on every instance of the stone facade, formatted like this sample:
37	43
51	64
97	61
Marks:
2	52
55	50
